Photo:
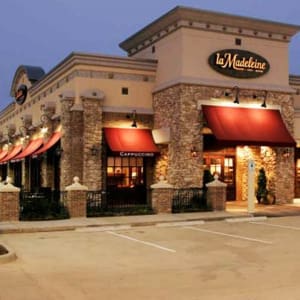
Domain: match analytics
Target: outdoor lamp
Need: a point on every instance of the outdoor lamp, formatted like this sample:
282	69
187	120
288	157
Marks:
237	90
264	104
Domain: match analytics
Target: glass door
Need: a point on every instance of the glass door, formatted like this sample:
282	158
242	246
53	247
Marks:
224	167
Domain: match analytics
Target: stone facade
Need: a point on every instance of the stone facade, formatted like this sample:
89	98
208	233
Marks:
92	145
67	159
178	108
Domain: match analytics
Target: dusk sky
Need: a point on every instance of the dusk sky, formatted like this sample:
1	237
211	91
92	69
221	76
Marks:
43	32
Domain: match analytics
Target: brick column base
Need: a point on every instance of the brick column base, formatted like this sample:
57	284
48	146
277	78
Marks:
162	200
9	206
216	198
76	203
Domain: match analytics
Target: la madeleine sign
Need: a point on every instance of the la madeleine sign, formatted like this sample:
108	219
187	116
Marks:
238	63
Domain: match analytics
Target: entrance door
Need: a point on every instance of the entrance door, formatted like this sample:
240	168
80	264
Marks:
224	166
126	180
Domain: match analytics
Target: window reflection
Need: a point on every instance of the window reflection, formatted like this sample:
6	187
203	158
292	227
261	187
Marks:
125	172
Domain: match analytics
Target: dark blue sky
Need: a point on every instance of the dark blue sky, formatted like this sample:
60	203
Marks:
43	32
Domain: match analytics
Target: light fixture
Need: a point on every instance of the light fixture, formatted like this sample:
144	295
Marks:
236	95
264	104
24	131
58	151
133	117
194	151
286	153
94	150
45	118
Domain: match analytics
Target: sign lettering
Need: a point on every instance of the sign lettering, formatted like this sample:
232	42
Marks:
238	63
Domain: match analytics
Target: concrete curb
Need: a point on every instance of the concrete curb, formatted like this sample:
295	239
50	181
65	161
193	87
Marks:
246	219
9	256
18	228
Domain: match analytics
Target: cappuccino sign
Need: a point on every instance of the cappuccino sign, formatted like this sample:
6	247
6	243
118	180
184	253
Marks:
238	63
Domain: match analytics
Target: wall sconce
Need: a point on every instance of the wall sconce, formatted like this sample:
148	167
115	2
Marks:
58	151
194	151
24	131
8	139
236	95
266	151
133	117
94	150
286	153
45	118
264	104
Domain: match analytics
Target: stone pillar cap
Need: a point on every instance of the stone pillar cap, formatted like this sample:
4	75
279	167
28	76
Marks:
76	186
8	187
162	184
216	182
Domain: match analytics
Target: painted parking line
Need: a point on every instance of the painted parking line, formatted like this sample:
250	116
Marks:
103	228
274	225
229	235
180	223
140	241
245	219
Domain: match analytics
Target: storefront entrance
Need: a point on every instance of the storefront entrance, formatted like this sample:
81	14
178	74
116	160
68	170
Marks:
224	166
126	180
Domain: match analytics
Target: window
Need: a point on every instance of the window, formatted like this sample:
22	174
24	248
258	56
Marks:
238	42
124	91
125	171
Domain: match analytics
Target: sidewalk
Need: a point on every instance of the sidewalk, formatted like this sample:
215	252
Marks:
233	210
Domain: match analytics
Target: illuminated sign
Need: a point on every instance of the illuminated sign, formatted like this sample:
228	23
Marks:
21	94
137	154
238	63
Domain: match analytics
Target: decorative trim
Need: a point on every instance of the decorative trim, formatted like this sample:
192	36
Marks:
118	109
222	83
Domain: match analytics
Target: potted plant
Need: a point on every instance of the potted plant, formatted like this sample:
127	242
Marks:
262	192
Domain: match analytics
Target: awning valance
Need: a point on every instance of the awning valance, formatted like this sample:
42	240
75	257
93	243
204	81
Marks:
51	142
11	154
130	142
247	126
3	154
29	149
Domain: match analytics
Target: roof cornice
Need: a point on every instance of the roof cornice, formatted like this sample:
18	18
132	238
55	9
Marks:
80	58
180	13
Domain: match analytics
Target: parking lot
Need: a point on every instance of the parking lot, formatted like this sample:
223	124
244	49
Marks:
191	260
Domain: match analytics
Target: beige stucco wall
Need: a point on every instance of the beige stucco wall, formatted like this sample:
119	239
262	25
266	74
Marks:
183	56
77	80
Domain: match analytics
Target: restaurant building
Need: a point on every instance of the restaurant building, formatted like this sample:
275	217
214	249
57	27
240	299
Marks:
198	90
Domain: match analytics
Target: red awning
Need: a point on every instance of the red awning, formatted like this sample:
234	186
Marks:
51	142
12	153
29	149
3	154
248	126
130	142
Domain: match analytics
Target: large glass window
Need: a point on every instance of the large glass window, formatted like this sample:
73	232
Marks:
125	171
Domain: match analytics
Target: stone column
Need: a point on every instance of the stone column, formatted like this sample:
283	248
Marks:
161	196
92	138
76	199
72	139
9	202
216	194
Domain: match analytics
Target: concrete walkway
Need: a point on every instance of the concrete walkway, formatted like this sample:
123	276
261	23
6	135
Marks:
233	210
